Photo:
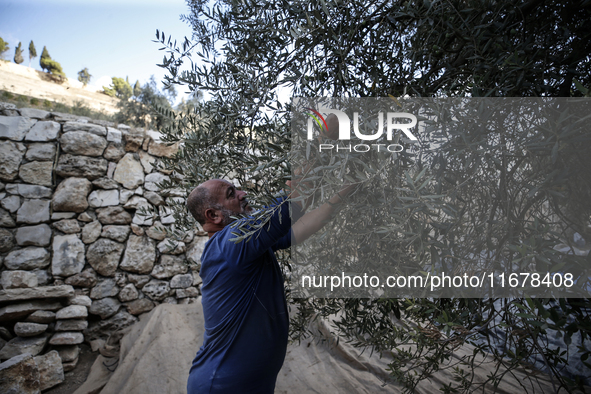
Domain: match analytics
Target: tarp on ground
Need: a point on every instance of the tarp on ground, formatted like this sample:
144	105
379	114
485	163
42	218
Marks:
156	354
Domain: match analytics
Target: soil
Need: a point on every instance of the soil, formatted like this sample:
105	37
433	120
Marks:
77	376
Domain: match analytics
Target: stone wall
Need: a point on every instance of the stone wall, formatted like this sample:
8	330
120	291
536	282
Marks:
79	260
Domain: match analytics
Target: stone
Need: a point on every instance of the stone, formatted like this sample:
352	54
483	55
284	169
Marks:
171	246
71	325
42	292
25	329
11	154
86	127
105	307
137	230
152	180
34	113
144	215
120	279
103	328
19	375
103	198
62	215
41	152
70	195
11	203
116	233
156	231
157	290
33	191
72	312
70	366
187	292
39	235
181	281
128	293
147	161
66	338
91	232
87	217
153	198
133	140
113	215
114	135
5	334
139	256
166	215
81	300
105	183
129	172
195	250
5	219
43	131
138	280
103	289
18	345
68	255
51	372
189	236
68	226
15	127
43	277
36	172
104	256
139	191
169	266
114	151
196	278
6	240
163	150
29	258
86	278
124	196
17	311
68	353
170	300
42	317
140	306
33	211
18	279
81	166
82	143
134	202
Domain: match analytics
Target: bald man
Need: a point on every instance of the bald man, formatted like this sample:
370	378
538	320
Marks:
244	307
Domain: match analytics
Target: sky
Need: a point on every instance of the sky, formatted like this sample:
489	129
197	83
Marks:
112	38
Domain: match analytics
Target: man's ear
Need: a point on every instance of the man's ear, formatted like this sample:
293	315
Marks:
213	216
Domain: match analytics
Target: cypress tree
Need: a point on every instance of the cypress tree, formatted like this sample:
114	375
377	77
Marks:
18	54
32	52
45	59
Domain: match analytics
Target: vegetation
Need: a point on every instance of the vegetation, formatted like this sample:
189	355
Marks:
140	110
3	47
47	63
119	88
32	52
84	76
18	54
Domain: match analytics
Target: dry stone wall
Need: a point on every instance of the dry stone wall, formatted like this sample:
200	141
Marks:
79	259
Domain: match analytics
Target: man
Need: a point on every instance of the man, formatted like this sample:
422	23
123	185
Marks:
244	307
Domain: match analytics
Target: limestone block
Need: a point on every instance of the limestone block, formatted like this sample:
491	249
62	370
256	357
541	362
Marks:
169	266
43	277
139	256
144	214
103	198
171	246
28	258
72	312
81	300
40	151
147	161
34	113
138	280
42	317
68	353
187	292
15	127
133	139
156	231
33	191
81	166
134	202
152	180
18	279
62	215
138	307
51	371
128	293
181	281
33	211
86	278
18	345
71	325
129	172
5	219
160	149
104	255
11	155
113	215
6	240
67	338
114	135
103	289
105	307
68	255
19	375
124	196
114	151
116	233
137	230
11	203
36	172
70	195
105	183
87	217
195	250
91	232
156	289
67	226
16	311
26	329
43	131
82	143
86	127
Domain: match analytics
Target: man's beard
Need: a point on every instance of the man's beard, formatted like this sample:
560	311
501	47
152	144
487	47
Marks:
226	215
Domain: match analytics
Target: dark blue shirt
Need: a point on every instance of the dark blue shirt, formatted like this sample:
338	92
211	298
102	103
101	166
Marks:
246	319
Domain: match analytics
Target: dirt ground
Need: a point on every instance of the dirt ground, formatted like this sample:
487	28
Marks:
77	376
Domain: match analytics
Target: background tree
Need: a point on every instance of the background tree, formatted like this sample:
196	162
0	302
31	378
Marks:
425	49
119	88
137	89
18	54
47	63
140	109
84	76
32	52
3	47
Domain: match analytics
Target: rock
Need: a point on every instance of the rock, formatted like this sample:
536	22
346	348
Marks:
170	300
34	113
23	329
6	240
15	127
195	250
144	215
138	280
104	256
139	256
68	255
129	172
105	288
43	277
124	196
5	219
156	231
133	140
87	217
18	279
196	278
166	215
36	172
39	235
137	230
153	197
68	353
163	150
66	338
19	375
181	281
187	292
70	366
152	180
68	226
5	334
82	143
91	232
116	233
128	293
105	183
11	154
41	317
103	328
157	290
171	246
71	325
17	311
134	202
72	312
70	195
33	191
33	212
43	131
86	127
147	161
51	372
41	152
138	307
81	300
103	198
18	345
43	292
169	266
114	135
114	151
81	166
29	258
87	278
113	215
120	279
62	215
105	307
11	203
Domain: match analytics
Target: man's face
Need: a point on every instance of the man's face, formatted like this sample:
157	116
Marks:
233	201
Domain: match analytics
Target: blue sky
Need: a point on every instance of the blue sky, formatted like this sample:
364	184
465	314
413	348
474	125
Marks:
113	38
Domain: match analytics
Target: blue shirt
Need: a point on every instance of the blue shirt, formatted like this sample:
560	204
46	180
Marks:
245	312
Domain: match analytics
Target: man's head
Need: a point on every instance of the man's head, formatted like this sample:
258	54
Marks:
214	202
